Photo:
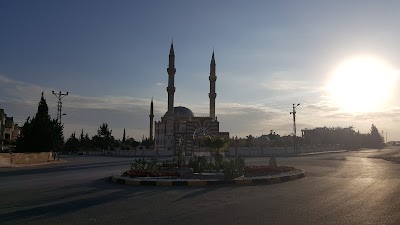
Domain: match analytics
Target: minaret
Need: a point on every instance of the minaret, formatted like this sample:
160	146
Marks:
212	95
171	80
151	120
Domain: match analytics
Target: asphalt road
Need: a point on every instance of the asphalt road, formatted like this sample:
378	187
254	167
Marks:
340	188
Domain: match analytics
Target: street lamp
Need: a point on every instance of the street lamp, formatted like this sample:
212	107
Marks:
198	132
294	126
386	138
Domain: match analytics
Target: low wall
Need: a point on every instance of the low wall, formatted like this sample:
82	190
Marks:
241	151
5	159
259	151
25	158
254	152
138	153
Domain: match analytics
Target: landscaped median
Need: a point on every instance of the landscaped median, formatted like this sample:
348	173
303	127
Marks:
265	180
202	171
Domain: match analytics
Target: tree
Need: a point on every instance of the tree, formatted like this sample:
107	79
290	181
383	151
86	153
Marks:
147	143
84	142
375	140
81	137
132	143
41	134
249	141
103	139
72	144
123	138
215	144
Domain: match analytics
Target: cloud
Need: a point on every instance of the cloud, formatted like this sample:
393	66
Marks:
83	112
4	79
289	85
20	100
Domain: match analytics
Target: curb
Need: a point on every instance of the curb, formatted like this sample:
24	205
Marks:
243	181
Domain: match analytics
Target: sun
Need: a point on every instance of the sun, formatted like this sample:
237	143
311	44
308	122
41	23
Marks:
362	84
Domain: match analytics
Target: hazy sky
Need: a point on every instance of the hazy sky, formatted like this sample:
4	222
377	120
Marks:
112	56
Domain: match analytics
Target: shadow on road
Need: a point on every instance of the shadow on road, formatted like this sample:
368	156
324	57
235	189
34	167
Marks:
58	168
202	191
75	198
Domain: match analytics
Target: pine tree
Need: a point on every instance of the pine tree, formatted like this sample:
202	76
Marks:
72	144
81	137
123	138
41	134
375	138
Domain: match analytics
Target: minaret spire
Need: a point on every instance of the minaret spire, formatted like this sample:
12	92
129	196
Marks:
151	120
171	80
213	78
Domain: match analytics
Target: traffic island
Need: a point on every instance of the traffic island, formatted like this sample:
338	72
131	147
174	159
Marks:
256	180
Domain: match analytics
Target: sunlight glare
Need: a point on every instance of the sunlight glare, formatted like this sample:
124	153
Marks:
362	84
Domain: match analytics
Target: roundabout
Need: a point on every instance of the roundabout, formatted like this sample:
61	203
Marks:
256	180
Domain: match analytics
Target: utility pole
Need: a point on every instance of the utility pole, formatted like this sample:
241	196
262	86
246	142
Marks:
294	126
59	104
386	138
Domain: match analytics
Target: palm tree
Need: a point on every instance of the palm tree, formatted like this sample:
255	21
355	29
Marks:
216	144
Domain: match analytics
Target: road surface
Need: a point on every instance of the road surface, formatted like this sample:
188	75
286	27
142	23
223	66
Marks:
340	188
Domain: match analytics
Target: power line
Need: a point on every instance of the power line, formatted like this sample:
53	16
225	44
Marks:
59	95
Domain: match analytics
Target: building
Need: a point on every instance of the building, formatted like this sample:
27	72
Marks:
179	128
268	140
2	123
9	131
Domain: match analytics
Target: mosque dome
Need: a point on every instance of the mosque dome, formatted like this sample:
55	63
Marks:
180	111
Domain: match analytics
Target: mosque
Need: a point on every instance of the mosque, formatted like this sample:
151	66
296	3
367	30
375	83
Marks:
179	129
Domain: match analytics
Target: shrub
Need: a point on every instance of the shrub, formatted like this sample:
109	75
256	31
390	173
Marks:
218	162
234	168
152	164
200	164
272	161
145	165
178	161
138	164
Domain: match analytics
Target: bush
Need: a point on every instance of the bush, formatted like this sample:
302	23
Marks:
200	164
234	168
144	165
178	161
218	162
272	161
138	164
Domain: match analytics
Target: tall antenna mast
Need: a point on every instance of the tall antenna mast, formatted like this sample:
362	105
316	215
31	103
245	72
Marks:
59	95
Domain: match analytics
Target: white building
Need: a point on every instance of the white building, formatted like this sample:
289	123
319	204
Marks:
179	128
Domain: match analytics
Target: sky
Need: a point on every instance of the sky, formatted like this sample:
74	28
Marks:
112	58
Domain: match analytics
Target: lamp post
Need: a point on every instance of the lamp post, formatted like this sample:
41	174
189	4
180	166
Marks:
294	126
196	135
386	138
